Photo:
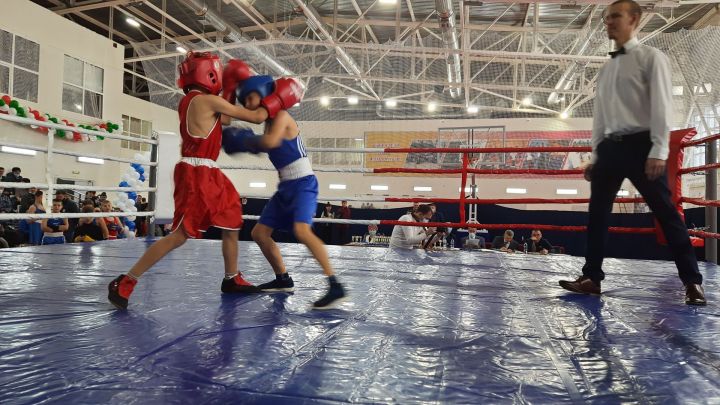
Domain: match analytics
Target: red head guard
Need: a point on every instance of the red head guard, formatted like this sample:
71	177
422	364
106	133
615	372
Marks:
201	69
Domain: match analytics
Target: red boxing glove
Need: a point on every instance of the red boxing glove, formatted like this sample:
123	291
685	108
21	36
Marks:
235	72
288	92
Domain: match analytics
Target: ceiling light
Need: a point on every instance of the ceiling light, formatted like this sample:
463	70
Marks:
132	22
516	190
94	161
623	193
18	151
324	101
353	100
422	188
377	187
181	49
526	101
564	115
678	90
388	1
78	107
467	189
337	186
566	191
472	109
359	139
258	184
390	103
432	106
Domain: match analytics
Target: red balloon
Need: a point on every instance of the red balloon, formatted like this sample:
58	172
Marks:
77	137
6	99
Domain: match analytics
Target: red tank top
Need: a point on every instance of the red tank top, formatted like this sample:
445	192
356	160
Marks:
194	146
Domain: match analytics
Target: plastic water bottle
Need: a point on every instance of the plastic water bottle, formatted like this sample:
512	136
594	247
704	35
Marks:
452	243
525	247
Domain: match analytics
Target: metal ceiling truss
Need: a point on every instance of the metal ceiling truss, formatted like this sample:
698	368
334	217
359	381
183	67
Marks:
437	52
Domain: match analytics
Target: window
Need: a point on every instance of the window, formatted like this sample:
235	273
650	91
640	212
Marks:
19	67
82	87
136	128
695	156
335	158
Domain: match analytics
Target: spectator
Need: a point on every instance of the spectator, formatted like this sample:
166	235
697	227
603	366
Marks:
34	231
325	229
506	243
113	225
102	197
537	244
27	199
70	207
344	228
54	228
92	196
140	222
437	216
472	241
90	229
6	202
3	242
2	174
408	237
372	232
14	176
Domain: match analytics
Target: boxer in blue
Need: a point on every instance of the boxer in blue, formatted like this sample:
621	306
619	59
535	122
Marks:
53	228
293	205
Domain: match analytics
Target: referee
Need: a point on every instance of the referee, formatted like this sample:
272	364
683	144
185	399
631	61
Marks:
633	109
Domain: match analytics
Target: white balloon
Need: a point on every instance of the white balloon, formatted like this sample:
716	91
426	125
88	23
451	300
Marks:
139	156
132	208
135	175
122	196
130	234
125	177
133	182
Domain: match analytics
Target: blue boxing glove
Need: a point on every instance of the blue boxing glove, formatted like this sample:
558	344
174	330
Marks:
235	140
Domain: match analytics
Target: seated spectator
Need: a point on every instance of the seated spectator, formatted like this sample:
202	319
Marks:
90	195
113	224
53	228
7	203
27	199
506	243
408	237
3	242
90	229
536	243
14	176
437	216
371	233
102	197
34	229
472	241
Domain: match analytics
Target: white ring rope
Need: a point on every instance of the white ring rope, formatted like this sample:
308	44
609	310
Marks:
6	217
50	124
321	170
332	220
350	150
44	186
321	198
77	154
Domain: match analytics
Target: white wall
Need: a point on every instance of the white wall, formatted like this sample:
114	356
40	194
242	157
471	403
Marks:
57	37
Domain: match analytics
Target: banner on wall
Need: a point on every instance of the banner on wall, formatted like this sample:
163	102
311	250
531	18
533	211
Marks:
458	138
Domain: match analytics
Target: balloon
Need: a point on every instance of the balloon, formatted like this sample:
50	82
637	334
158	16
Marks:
130	234
130	223
132	195
6	99
135	175
142	178
122	197
132	208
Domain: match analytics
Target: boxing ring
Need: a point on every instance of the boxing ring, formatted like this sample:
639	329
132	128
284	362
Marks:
443	326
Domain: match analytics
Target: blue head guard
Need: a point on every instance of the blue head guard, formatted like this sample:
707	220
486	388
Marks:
263	85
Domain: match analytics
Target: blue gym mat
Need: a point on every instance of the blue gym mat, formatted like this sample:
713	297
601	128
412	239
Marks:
443	327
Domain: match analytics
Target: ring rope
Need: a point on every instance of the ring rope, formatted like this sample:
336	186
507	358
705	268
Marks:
50	124
700	141
7	217
44	186
77	154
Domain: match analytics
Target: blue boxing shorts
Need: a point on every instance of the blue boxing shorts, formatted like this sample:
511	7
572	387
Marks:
294	201
52	240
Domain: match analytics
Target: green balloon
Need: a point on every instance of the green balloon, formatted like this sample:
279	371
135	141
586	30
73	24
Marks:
21	112
100	137
2	103
14	104
53	119
60	133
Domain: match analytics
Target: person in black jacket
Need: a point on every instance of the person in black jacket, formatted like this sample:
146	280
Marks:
536	243
506	243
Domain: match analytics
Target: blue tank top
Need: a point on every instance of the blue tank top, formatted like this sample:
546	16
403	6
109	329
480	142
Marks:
289	151
55	222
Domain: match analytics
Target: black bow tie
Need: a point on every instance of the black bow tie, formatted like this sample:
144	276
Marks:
620	51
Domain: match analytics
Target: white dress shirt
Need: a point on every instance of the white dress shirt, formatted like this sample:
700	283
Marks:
634	94
406	237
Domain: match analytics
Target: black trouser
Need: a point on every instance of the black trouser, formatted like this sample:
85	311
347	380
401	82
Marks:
625	158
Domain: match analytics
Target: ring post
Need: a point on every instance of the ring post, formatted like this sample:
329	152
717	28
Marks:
711	194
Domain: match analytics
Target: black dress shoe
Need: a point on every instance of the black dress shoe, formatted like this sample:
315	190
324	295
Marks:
695	295
582	285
